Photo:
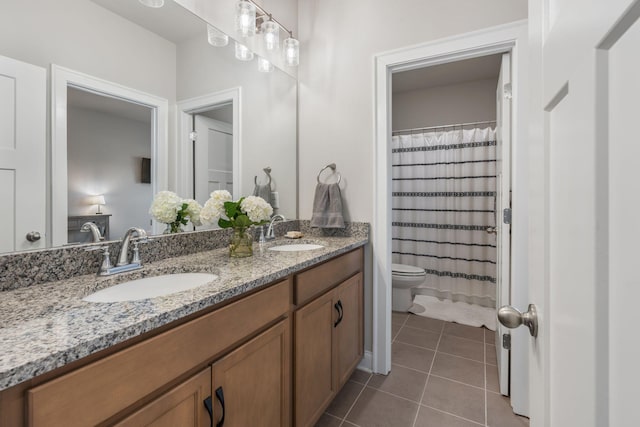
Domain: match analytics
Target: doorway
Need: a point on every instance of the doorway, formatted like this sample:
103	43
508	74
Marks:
503	39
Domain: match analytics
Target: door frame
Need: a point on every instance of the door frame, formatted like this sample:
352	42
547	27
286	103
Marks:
511	37
61	79
199	104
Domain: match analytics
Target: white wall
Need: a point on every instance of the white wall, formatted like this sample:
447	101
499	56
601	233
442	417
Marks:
81	35
104	157
268	110
336	113
465	102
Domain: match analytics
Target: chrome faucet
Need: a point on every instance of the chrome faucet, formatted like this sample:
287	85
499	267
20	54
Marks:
95	231
270	234
106	269
122	257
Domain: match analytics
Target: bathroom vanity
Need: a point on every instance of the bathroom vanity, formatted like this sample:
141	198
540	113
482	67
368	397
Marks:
273	339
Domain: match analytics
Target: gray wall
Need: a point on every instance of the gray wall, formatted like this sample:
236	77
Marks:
103	153
466	102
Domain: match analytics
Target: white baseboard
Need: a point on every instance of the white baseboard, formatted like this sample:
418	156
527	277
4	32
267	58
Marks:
366	364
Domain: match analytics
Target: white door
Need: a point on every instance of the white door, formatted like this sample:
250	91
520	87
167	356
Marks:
584	206
214	157
503	201
23	153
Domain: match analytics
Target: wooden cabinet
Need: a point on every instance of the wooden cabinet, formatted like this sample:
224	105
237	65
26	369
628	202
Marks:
252	384
182	406
328	346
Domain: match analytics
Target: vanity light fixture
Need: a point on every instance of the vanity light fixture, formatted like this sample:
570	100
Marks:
252	18
216	37
153	3
97	200
243	53
264	66
245	18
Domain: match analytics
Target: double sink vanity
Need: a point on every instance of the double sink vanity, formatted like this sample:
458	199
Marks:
192	338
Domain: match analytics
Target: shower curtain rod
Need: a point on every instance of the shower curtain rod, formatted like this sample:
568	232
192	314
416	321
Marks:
395	132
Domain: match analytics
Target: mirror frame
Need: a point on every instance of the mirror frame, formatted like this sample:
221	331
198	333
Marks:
184	111
61	79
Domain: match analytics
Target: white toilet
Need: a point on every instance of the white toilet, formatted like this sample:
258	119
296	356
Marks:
403	279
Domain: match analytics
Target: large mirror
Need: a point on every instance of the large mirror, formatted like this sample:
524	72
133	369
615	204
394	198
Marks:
141	102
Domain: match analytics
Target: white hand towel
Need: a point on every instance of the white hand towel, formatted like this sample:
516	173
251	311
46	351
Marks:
327	207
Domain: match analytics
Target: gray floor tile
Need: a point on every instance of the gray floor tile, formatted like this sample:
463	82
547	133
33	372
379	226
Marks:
419	337
359	376
411	356
455	398
397	317
424	323
489	336
462	347
500	414
490	355
402	382
345	398
375	408
327	420
464	331
459	369
493	383
428	417
395	328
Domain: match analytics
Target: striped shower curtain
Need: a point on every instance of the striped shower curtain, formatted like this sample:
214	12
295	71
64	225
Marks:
444	188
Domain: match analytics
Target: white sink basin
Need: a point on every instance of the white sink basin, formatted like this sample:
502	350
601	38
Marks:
150	287
296	247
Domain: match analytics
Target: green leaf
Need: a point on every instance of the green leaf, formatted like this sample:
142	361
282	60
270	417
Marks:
243	221
223	223
231	209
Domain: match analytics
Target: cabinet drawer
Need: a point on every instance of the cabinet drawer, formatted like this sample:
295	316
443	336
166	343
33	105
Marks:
316	280
101	389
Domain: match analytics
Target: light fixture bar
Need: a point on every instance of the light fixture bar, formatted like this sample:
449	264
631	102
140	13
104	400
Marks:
271	18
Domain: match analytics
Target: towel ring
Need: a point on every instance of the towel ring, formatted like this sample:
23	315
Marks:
331	166
267	171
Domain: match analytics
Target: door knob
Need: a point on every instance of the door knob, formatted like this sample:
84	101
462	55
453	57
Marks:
512	318
33	236
491	230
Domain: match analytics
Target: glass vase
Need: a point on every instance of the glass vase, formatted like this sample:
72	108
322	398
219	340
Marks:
241	244
173	227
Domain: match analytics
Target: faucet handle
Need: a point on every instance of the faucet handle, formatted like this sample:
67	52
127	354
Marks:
106	261
136	253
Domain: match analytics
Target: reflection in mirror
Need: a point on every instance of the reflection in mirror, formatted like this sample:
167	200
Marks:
162	54
107	142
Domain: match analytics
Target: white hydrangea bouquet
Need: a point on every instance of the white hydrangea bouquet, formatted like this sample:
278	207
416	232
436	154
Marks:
239	215
247	211
170	209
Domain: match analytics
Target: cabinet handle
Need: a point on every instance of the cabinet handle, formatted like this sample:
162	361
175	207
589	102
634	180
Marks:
220	397
338	307
208	403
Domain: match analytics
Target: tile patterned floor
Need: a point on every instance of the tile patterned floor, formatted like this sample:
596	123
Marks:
443	375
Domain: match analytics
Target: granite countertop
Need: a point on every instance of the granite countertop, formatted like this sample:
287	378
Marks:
46	326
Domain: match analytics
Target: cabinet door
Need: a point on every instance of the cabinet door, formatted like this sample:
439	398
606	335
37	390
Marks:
182	406
314	383
349	327
252	385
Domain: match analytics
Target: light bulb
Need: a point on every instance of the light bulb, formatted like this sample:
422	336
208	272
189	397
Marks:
216	37
152	3
264	66
243	53
270	34
291	48
245	18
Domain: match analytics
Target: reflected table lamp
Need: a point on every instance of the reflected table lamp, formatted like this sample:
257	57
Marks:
97	200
